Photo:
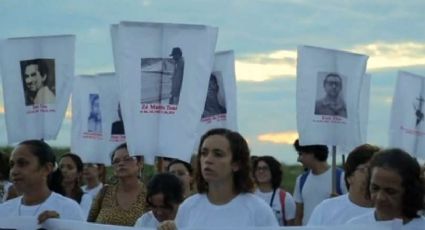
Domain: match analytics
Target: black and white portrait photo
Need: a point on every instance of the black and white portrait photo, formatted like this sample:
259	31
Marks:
213	104
94	121
177	79
330	97
38	78
162	78
118	125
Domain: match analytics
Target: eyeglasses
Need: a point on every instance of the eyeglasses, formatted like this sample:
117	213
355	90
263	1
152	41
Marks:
262	168
125	160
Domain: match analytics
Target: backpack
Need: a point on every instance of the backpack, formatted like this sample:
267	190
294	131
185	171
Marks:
339	172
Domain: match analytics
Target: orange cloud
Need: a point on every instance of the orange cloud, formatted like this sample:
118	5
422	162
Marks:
287	137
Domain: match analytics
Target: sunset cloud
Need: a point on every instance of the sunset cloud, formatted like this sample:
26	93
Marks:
282	63
287	137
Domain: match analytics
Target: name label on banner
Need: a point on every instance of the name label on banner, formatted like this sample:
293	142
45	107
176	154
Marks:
330	119
40	108
218	117
158	108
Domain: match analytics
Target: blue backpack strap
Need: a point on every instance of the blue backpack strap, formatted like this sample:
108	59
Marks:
302	180
339	172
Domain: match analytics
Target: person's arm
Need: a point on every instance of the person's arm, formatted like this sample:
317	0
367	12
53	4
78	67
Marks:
299	214
47	215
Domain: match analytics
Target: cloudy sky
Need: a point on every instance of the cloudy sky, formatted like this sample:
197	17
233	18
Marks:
264	35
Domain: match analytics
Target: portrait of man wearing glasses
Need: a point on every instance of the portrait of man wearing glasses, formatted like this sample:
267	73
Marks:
332	103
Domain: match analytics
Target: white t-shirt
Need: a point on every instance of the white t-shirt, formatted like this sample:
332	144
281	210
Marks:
6	185
67	208
276	205
93	191
147	220
335	211
316	189
85	204
414	224
245	210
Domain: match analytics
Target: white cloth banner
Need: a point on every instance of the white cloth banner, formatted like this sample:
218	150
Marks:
163	72
97	126
407	124
364	115
26	223
220	104
329	84
37	75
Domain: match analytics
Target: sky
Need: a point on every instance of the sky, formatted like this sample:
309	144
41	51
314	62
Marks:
264	35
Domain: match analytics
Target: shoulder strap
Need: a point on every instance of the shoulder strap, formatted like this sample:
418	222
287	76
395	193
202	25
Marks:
282	203
302	180
97	204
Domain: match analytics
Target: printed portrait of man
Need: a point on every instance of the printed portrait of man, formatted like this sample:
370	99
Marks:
332	103
212	103
38	78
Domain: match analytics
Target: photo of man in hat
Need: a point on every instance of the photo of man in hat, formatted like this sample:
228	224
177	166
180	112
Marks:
177	78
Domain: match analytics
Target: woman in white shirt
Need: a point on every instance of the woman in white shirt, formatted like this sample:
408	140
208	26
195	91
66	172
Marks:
267	174
31	163
396	189
225	197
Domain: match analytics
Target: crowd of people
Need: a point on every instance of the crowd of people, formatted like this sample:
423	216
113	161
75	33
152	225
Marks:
224	186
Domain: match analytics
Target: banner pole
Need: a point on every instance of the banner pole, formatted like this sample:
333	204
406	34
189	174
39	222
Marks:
334	171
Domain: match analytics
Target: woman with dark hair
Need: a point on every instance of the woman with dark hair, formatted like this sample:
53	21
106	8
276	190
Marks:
339	210
225	197
396	189
268	176
31	163
124	202
71	169
164	195
184	172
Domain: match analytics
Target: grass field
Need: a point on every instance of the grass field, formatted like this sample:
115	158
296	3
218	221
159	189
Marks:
290	172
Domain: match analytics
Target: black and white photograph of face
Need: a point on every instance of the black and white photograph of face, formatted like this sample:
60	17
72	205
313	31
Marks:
38	78
162	78
94	123
330	95
215	101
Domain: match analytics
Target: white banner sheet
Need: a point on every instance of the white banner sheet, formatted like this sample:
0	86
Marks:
163	70
26	223
97	125
329	85
37	74
220	104
407	124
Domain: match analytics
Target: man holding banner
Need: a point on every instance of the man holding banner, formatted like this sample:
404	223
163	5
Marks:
314	185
